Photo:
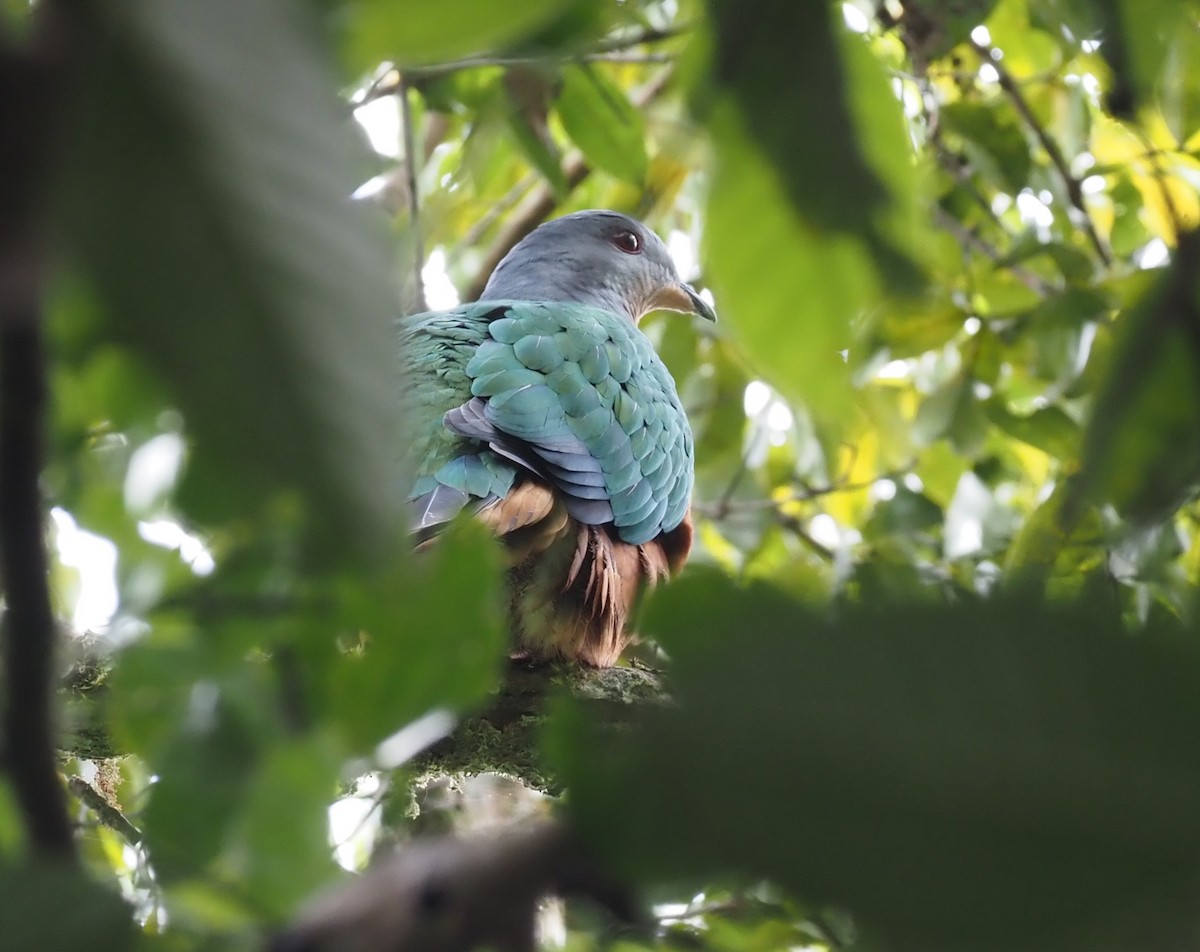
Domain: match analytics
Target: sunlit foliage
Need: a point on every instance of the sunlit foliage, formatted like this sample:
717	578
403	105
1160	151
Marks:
948	450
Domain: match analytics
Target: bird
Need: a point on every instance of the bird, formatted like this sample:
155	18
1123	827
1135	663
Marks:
543	410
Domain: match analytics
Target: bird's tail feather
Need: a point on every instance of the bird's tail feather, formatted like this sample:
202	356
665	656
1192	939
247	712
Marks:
574	586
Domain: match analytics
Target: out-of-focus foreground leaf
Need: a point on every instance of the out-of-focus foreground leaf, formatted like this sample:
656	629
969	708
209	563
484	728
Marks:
249	719
1142	449
953	775
54	907
810	215
262	294
429	30
812	139
1141	38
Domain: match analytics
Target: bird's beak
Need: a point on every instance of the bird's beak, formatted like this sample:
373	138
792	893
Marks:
699	305
678	296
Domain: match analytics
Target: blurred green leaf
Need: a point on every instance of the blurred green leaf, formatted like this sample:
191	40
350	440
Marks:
1179	84
286	852
905	514
1142	445
769	56
718	418
434	635
789	291
951	773
541	154
1140	33
600	120
261	296
993	141
55	907
426	31
1049	429
204	778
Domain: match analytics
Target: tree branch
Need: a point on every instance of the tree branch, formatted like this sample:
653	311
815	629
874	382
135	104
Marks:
29	85
109	815
446	894
29	628
388	80
534	210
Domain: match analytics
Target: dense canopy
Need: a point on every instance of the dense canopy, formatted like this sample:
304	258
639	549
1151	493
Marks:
935	657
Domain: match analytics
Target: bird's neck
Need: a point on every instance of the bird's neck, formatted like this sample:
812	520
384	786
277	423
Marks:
558	280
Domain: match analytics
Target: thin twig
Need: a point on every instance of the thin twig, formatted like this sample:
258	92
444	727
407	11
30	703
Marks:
653	35
971	239
721	509
949	161
1057	159
414	198
796	527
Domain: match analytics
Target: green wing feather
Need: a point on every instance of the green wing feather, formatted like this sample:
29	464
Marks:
436	348
575	393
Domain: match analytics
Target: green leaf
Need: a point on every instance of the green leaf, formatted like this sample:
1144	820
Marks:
1049	429
1138	35
905	514
435	636
937	26
994	142
1180	84
204	777
541	154
948	773
782	65
206	198
719	430
938	412
600	120
788	291
1142	445
55	907
822	114
426	31
284	833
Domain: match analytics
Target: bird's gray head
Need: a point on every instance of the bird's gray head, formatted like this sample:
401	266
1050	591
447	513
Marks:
601	258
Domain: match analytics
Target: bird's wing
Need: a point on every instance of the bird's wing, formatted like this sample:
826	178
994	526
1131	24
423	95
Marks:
577	395
452	473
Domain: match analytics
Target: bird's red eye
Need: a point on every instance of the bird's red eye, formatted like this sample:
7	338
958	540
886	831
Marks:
628	242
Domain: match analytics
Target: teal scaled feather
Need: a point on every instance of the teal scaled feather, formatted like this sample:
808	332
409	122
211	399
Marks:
572	392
